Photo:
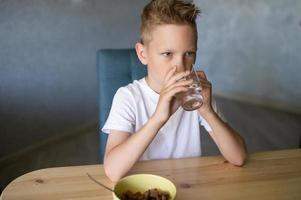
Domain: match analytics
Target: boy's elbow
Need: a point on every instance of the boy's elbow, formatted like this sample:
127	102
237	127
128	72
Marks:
240	160
241	157
111	173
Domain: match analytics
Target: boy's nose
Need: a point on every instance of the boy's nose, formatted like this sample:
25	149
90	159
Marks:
179	62
180	66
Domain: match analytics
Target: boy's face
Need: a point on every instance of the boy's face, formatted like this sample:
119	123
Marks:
170	45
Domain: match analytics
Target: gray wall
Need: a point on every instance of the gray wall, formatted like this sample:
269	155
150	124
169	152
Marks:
251	49
48	63
48	47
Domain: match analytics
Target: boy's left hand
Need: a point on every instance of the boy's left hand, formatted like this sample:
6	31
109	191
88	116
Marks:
206	93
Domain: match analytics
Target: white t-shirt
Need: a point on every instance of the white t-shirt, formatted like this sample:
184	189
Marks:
135	103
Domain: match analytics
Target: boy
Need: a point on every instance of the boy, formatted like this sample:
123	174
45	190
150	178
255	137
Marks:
146	120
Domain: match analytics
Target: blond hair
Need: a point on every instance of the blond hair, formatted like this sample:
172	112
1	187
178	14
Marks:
159	12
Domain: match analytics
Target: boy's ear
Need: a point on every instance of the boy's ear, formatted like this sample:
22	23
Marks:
141	52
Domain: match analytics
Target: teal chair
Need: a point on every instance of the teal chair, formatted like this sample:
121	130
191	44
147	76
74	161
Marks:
115	68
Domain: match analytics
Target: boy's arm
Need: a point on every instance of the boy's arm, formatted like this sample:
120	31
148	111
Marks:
123	149
229	142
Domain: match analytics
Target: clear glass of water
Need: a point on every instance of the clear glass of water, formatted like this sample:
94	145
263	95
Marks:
192	99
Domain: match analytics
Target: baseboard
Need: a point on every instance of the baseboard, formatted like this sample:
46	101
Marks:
265	102
82	129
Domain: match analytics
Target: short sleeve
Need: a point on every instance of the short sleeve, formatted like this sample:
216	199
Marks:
122	113
204	123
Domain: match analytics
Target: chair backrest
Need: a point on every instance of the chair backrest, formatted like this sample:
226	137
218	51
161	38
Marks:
115	68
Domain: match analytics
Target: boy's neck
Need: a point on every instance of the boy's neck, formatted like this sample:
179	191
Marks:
153	84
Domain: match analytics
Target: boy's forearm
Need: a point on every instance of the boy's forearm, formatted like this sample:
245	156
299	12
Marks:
230	143
122	158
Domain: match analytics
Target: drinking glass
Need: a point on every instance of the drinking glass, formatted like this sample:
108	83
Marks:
192	99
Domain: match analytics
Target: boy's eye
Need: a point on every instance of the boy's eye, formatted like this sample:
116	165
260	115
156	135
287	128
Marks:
166	54
190	54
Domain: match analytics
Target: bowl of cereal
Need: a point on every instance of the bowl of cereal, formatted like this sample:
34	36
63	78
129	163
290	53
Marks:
143	187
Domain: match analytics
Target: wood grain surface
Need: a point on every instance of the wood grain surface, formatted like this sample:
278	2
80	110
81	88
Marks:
266	175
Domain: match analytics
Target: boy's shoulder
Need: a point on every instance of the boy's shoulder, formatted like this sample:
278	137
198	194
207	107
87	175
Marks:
133	89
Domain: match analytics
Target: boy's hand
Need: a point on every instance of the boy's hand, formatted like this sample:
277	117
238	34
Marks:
172	85
206	93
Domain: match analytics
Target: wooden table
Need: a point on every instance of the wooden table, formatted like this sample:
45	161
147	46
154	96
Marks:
266	175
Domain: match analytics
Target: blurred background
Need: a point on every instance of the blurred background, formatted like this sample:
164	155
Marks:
250	51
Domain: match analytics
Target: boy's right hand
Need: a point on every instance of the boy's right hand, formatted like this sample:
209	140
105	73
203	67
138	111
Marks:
173	84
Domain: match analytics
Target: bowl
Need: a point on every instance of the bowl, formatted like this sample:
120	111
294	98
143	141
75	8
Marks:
143	182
